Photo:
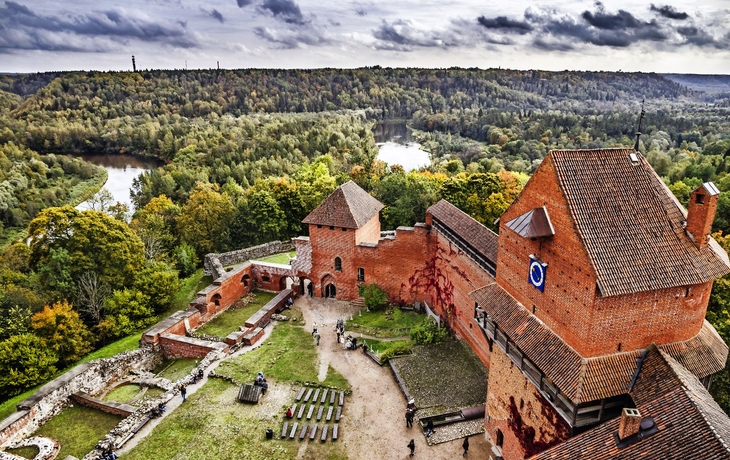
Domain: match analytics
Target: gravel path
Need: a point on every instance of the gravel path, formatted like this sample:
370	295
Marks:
373	423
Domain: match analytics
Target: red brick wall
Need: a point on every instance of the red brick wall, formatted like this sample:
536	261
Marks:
370	232
326	245
527	421
571	305
174	348
701	216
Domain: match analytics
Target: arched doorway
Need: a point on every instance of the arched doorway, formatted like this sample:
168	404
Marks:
285	282
246	280
330	291
217	300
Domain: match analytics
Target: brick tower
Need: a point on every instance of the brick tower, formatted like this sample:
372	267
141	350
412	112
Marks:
597	261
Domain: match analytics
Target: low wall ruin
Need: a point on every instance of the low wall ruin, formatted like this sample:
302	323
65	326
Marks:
211	268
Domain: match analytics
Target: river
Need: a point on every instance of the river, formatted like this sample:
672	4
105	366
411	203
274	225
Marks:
122	170
396	146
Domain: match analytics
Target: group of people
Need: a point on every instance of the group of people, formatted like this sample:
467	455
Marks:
108	454
198	376
158	411
260	381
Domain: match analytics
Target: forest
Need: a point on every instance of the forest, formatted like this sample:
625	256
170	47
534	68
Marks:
249	153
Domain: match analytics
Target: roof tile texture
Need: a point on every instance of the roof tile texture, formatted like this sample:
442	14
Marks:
479	237
349	207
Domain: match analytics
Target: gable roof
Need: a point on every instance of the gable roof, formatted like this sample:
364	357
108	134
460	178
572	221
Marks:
589	379
631	224
480	238
349	206
690	422
532	224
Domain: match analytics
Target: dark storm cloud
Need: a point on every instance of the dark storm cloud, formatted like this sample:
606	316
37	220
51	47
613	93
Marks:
607	21
401	35
670	12
505	24
215	14
286	10
242	3
21	28
289	39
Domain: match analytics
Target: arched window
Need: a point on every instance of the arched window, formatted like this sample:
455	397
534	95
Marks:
338	264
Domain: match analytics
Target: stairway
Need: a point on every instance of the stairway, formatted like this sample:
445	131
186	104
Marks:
359	302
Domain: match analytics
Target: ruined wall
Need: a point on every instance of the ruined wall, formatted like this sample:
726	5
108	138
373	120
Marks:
178	346
88	377
528	422
241	255
570	304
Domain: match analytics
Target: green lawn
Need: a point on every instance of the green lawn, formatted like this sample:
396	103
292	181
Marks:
392	323
176	369
228	322
187	293
78	429
25	452
282	258
289	355
123	394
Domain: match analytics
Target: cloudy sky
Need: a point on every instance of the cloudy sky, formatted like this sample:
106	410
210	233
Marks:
682	36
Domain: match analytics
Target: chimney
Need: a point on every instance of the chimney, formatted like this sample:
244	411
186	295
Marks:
701	213
134	65
630	423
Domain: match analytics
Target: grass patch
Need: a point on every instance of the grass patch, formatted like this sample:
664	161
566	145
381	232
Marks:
227	322
123	394
282	258
393	322
187	293
386	350
176	369
25	452
78	429
288	355
153	393
8	408
238	433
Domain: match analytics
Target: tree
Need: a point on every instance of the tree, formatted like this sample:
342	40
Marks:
127	311
55	273
24	363
375	298
101	201
90	295
94	242
258	219
185	259
159	284
61	330
205	219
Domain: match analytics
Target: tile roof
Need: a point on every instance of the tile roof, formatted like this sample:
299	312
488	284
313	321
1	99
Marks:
691	424
532	224
479	237
588	379
631	224
349	206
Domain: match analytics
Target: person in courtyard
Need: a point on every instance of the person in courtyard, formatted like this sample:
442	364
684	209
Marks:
465	445
316	337
409	418
429	428
183	392
289	413
314	329
412	446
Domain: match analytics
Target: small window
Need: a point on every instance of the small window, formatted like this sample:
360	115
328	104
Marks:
332	227
319	226
534	309
500	438
344	229
265	279
687	292
700	199
619	347
361	274
338	264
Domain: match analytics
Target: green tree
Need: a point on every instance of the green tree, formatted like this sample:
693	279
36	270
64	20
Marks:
185	259
205	219
159	284
94	242
54	272
60	329
24	363
127	311
258	219
375	298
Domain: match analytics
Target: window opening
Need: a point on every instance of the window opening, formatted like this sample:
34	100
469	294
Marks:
361	274
338	264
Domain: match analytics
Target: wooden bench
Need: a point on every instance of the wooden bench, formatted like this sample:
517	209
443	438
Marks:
309	393
319	412
301	393
249	393
293	430
338	414
324	397
303	433
316	395
335	431
283	430
332	396
294	409
324	434
329	413
301	411
342	398
311	411
313	434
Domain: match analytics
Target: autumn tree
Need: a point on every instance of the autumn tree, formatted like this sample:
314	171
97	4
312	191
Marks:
60	329
205	218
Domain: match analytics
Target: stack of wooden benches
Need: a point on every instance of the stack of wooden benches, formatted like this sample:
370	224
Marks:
317	412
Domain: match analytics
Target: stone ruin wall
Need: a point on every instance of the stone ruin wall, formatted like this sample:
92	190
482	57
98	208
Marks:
89	378
215	269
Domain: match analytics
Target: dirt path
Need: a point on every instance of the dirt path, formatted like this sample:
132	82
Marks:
373	423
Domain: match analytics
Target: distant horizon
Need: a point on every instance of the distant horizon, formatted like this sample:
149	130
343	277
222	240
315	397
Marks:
613	35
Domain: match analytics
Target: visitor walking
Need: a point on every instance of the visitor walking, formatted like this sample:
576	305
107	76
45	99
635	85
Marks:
429	428
412	446
314	329
409	418
465	446
183	392
317	337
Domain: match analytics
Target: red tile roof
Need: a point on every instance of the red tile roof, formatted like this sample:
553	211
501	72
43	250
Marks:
631	224
479	237
349	206
691	424
588	379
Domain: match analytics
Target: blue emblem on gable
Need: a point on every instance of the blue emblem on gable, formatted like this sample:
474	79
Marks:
536	276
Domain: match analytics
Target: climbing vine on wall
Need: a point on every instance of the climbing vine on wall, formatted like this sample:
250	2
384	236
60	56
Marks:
526	434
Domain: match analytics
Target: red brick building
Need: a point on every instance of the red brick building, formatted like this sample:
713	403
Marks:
590	301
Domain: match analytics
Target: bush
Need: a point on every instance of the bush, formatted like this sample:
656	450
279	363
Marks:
428	332
396	349
375	298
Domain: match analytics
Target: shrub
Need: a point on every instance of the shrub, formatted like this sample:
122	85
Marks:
375	298
396	349
428	332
